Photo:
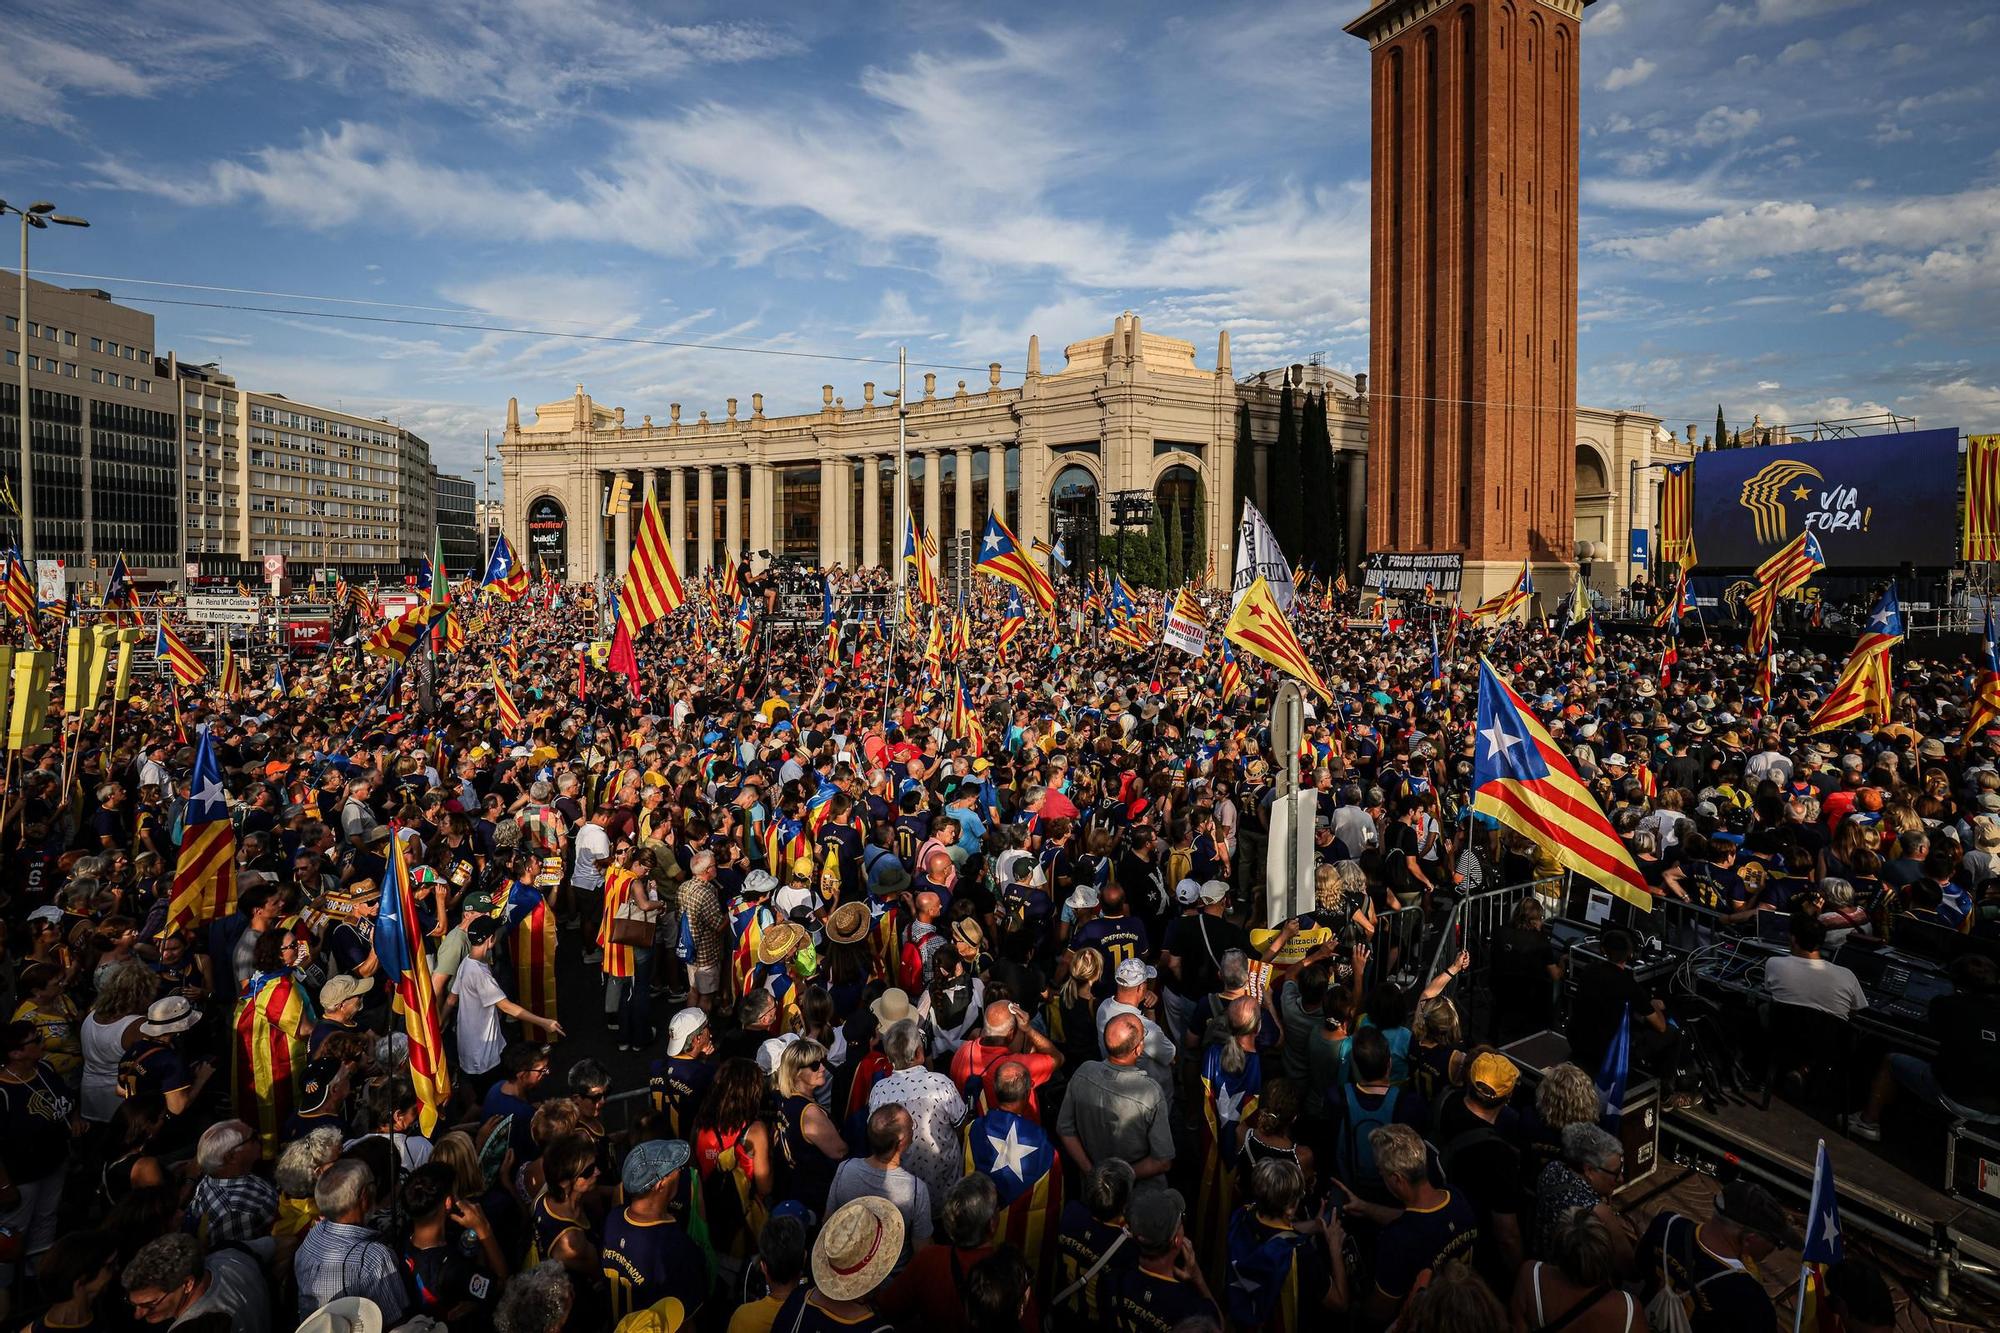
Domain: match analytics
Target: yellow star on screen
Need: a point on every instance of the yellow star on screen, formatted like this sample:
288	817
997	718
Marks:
1800	493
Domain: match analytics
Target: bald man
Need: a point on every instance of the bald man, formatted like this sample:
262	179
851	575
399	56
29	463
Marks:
1115	1109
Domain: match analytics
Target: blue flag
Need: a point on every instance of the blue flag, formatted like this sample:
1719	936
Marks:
1617	1064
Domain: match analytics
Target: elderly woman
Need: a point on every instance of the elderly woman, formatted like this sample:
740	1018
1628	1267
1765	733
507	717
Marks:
110	1030
1591	1169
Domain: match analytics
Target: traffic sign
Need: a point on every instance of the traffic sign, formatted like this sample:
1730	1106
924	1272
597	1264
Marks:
274	567
213	609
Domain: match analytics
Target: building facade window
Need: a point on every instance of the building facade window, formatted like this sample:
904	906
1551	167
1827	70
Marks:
795	526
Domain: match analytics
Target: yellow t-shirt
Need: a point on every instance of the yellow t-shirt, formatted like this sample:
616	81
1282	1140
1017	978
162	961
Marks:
755	1317
61	1047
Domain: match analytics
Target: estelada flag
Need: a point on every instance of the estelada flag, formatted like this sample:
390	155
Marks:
1012	621
1021	1159
1520	777
1228	1104
921	555
505	576
170	648
406	977
1002	557
230	683
1259	627
205	871
395	638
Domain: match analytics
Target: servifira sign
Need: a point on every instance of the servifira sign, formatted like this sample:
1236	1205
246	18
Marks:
1875	501
548	537
1408	573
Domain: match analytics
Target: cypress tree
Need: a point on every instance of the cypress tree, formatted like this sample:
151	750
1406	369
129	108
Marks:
1171	548
1721	430
1245	480
1287	512
1197	542
1316	476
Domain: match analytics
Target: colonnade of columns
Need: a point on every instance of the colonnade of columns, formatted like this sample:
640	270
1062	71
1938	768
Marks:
700	550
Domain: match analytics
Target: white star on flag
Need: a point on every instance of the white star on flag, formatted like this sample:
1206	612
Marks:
1228	1106
210	793
992	541
1010	1152
1499	740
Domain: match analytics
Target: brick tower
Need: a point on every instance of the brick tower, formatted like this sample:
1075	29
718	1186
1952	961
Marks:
1473	282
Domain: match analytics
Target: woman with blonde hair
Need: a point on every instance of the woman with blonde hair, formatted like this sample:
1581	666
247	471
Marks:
1071	1015
1437	1055
808	1142
109	1030
1566	1096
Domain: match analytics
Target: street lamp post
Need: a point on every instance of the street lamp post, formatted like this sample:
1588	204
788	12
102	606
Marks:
37	215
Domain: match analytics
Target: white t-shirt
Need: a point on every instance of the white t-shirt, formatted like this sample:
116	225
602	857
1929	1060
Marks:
593	846
1816	983
478	995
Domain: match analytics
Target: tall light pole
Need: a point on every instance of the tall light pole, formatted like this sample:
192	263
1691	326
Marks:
485	507
37	215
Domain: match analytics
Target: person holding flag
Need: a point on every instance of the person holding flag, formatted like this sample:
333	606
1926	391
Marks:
405	976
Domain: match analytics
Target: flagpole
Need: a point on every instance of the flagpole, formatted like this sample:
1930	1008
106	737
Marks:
902	512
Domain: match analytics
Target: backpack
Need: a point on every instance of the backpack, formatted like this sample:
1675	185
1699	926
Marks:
1257	1279
1354	1153
910	968
1180	865
1668	1312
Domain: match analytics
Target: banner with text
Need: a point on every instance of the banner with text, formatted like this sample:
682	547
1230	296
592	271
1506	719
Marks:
1408	573
1876	501
1257	553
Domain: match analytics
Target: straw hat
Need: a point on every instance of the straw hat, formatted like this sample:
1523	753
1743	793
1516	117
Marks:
856	1248
779	941
848	924
344	1314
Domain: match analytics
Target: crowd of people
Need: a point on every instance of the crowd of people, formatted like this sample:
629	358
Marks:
771	1001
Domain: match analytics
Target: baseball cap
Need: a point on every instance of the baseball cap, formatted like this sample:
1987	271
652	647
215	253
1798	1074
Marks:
1135	972
1187	893
318	1085
481	929
1493	1076
759	882
1752	1207
48	912
1154	1216
681	1029
652	1162
341	989
1214	891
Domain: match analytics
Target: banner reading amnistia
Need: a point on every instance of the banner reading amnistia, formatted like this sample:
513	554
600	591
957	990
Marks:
1408	573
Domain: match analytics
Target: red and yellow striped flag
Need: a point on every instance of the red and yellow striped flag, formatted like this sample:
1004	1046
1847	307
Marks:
452	636
229	683
619	883
1982	497
510	712
652	586
533	948
170	648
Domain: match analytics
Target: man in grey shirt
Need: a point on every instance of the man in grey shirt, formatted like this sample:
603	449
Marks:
881	1174
1115	1109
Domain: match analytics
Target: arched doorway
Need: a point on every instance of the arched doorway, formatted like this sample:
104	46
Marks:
1179	526
1074	506
548	536
1593	512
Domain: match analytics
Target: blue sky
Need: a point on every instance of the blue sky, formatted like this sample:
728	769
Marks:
1790	206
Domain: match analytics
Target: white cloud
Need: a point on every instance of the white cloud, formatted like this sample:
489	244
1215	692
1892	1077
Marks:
1773	229
1628	76
1719	125
1758	274
1802	51
39	78
1604	20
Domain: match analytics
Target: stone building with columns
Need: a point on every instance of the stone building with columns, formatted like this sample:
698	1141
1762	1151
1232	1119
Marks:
1128	410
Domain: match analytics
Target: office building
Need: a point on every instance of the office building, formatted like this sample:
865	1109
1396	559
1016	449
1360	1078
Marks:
456	517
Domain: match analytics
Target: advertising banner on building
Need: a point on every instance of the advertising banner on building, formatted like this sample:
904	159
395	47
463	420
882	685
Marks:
1408	573
1257	553
1874	502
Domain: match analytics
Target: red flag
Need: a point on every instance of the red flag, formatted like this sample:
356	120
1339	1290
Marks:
622	659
